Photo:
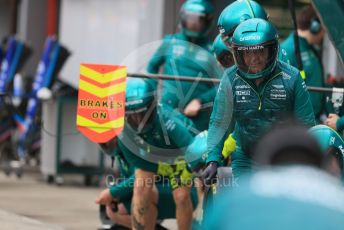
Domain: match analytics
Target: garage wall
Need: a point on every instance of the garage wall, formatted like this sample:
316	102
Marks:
106	31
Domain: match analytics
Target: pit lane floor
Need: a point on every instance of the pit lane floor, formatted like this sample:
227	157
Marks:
30	203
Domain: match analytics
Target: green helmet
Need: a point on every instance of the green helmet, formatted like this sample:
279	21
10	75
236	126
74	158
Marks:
255	48
330	142
308	197
139	97
139	94
236	13
196	153
196	17
222	52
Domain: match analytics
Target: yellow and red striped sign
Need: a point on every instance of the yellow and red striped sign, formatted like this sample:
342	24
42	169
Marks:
101	101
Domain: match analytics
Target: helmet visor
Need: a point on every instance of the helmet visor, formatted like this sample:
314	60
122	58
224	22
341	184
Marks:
135	118
225	58
195	22
256	58
227	38
141	118
334	161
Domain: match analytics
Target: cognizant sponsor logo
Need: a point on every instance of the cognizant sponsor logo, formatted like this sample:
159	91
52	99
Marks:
249	38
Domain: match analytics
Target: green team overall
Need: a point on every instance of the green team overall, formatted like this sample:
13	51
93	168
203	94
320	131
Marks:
260	90
229	19
122	191
188	54
155	137
310	33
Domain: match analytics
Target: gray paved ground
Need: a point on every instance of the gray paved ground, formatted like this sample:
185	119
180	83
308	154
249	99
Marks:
31	204
70	206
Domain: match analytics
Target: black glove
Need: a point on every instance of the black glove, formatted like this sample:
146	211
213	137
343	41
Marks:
209	174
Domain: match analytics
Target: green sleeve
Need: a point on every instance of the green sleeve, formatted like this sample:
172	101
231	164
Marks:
220	120
284	55
209	95
125	168
340	124
303	109
158	58
179	131
183	120
234	133
124	189
287	51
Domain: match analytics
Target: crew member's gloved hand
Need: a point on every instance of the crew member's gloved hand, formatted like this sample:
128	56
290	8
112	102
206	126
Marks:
209	174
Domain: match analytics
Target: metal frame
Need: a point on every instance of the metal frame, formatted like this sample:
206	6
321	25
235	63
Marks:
85	170
217	81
